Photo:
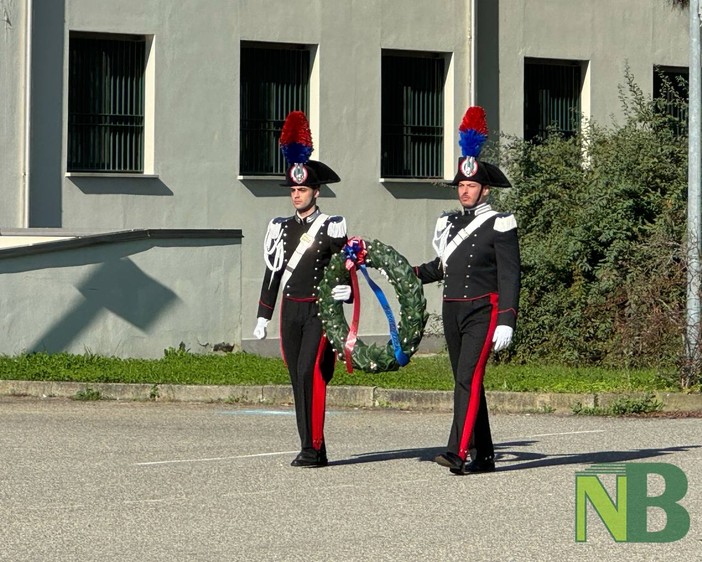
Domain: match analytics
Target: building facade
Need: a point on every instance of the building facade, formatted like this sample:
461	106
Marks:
155	114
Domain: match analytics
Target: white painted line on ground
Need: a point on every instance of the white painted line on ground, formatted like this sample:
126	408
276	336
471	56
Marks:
568	433
256	412
211	459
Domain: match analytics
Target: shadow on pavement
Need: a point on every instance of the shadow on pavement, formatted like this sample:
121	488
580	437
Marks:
525	460
519	460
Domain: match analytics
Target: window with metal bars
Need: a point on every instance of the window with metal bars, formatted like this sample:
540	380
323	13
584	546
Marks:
106	103
412	137
551	98
671	84
274	81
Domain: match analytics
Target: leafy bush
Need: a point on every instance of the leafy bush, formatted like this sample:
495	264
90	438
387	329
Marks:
602	220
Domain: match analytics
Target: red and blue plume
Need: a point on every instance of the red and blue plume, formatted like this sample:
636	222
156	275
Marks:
296	138
473	131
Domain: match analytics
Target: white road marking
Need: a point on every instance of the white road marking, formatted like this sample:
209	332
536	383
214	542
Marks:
567	433
212	459
256	412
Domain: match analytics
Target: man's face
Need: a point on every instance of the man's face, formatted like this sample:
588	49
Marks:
469	193
303	197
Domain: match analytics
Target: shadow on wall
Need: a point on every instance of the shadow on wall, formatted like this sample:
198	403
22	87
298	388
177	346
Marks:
118	286
488	62
431	189
274	187
130	293
121	186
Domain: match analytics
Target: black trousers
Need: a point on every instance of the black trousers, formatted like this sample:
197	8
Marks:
468	328
310	360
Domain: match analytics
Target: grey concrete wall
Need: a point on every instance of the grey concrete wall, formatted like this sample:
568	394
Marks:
196	53
609	35
195	180
122	297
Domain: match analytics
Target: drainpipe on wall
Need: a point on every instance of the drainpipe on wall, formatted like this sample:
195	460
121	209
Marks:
473	50
27	114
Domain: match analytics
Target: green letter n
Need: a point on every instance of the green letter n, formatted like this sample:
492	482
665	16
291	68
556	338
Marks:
589	487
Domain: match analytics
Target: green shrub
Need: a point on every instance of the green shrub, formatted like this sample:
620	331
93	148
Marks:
602	220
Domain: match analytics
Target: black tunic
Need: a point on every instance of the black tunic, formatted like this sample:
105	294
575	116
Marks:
303	284
488	261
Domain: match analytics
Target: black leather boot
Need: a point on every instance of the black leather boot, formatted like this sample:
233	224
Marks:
480	464
311	459
450	460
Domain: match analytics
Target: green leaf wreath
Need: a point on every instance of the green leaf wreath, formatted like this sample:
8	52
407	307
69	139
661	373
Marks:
410	295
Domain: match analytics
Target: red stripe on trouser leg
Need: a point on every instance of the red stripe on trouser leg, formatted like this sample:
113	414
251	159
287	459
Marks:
280	333
478	374
319	397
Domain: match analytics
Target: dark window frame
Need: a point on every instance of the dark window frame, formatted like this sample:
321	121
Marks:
275	80
678	112
557	105
413	112
106	102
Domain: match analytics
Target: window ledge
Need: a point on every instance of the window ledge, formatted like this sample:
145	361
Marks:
414	180
110	175
280	177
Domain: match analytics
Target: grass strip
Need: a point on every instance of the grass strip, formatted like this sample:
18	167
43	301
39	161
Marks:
423	373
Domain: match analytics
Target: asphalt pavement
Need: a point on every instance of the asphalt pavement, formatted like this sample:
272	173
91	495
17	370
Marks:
130	480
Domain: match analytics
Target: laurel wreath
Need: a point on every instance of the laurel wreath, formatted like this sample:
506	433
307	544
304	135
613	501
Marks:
410	295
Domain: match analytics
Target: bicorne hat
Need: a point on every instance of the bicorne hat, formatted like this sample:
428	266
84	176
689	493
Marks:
472	135
296	145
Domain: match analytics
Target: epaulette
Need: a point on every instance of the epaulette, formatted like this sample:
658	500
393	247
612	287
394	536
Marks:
505	222
336	227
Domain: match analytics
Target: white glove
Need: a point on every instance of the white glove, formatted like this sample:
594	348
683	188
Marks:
502	337
260	329
341	292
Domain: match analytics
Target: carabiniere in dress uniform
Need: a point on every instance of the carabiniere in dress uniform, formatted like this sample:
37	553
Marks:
296	251
478	260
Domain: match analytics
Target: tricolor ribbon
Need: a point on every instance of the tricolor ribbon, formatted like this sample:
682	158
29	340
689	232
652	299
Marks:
356	253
